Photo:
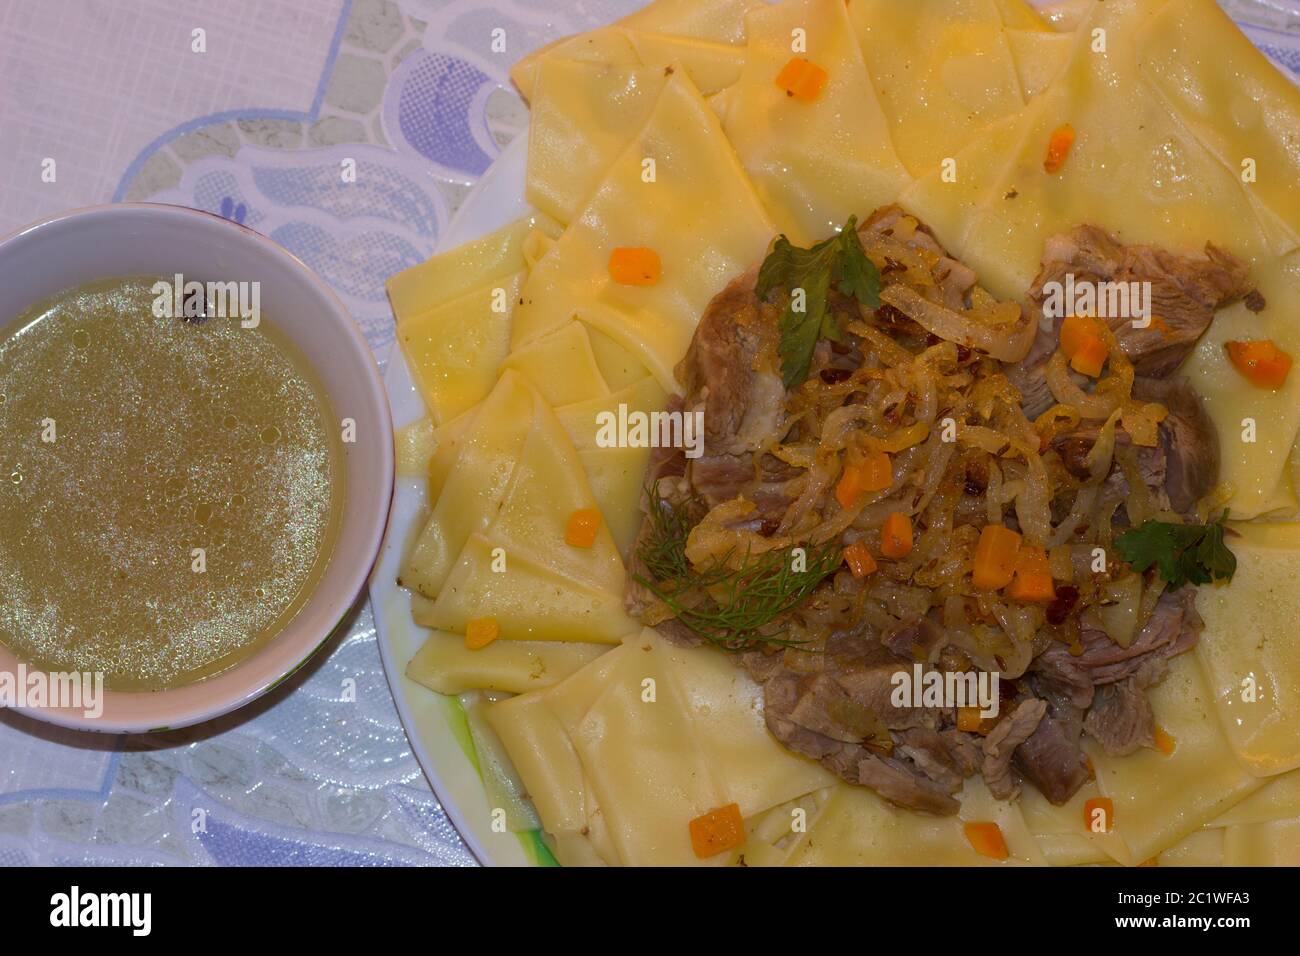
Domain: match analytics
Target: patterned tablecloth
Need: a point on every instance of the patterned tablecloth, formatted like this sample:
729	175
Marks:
245	108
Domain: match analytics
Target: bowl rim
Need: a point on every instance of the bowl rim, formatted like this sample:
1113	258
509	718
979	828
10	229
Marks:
229	690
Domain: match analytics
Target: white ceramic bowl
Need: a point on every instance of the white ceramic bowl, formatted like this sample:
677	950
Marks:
128	239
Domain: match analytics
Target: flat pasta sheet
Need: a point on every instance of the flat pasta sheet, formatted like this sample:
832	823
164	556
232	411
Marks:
677	189
668	131
813	164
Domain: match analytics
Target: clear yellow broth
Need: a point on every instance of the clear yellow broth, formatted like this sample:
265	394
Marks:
170	489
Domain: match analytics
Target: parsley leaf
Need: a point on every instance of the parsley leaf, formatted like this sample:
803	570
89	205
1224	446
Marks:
805	276
1182	553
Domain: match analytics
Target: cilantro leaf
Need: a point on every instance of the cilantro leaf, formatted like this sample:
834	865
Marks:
805	276
1181	553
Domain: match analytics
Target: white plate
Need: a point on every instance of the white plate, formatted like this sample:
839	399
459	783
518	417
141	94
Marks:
435	724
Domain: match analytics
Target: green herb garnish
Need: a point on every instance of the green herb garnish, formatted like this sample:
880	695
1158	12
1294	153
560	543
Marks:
663	550
1182	553
840	261
729	606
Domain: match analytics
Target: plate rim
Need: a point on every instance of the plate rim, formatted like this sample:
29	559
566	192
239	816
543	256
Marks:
494	201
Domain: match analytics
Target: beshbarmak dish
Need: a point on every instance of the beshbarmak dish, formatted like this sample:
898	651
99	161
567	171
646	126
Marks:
188	514
975	538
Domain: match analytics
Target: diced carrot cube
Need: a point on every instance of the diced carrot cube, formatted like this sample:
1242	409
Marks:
1262	362
635	266
986	840
1076	330
969	719
1091	357
995	557
859	560
1099	815
717	831
1165	743
1033	577
896	536
1058	148
847	489
802	79
480	632
582	528
870	472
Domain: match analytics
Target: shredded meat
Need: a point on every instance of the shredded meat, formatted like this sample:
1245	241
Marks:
1120	718
1051	760
894	781
730	373
1001	743
1187	438
921	640
768	481
1185	293
1152	461
1174	628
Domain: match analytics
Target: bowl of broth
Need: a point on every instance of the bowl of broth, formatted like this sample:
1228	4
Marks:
196	467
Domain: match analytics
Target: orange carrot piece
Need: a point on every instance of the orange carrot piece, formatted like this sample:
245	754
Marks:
1165	743
871	472
1084	345
717	831
1033	577
848	488
1076	330
986	840
896	536
1058	148
1091	357
969	719
995	557
582	528
859	560
1262	362
635	266
1099	812
480	632
802	79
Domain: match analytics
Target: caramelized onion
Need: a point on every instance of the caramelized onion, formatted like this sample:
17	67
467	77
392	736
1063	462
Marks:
1004	341
1098	405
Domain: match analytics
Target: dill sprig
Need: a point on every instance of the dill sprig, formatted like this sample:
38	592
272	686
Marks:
727	606
663	551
